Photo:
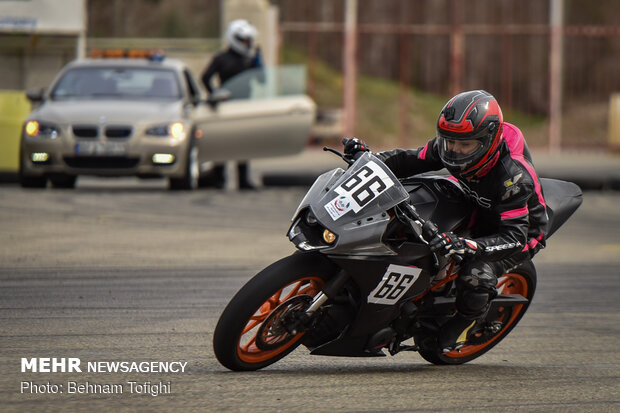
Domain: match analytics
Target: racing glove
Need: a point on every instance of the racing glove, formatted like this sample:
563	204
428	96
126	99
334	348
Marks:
354	146
448	244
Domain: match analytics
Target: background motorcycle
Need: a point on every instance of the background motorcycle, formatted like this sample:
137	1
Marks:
364	278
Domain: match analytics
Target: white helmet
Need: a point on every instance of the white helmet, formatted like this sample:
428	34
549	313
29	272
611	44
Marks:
241	35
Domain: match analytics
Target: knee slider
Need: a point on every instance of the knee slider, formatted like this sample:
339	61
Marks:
475	288
473	303
477	275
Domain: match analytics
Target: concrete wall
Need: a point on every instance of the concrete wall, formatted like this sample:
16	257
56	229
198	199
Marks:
28	61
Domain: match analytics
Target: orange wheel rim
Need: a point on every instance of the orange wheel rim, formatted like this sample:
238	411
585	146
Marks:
511	283
247	350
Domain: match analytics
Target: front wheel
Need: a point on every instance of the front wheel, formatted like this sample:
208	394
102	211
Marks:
63	181
522	281
252	332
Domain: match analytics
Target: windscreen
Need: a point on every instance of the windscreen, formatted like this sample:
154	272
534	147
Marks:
117	83
366	188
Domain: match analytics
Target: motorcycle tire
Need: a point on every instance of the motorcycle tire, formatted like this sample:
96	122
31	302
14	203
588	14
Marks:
521	280
244	339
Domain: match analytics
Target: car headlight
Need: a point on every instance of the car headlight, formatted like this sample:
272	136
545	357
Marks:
176	130
40	130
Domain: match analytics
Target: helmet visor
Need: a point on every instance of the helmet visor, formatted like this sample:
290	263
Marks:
246	40
460	152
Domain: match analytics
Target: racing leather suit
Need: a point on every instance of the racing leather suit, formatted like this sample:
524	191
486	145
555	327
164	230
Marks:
509	213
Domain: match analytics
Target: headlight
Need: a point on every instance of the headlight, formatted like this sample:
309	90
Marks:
329	236
40	130
176	130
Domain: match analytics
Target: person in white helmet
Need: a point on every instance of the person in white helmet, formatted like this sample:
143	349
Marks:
241	55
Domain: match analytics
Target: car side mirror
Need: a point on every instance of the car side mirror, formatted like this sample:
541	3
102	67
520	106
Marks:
218	97
35	95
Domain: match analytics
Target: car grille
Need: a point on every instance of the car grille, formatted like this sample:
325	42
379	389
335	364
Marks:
85	131
118	131
96	162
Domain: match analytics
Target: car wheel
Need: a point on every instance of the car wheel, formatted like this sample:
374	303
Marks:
189	180
32	181
63	181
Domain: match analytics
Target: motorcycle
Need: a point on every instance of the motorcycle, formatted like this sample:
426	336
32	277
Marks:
364	280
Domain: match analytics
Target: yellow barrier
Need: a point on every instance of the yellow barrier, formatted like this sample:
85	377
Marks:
14	107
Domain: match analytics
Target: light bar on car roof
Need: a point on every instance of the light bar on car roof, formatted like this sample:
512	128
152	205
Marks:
156	55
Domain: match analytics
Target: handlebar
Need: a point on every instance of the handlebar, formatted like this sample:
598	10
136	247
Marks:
341	155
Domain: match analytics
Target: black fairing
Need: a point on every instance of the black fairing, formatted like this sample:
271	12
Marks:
441	200
562	198
436	198
370	317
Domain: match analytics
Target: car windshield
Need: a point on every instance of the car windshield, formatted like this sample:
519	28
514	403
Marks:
117	82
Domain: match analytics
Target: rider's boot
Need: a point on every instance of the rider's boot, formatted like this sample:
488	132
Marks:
453	334
475	289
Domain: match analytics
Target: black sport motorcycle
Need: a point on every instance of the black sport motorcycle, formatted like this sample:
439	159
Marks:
364	279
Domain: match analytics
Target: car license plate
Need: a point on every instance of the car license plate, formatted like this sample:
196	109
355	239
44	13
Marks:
100	148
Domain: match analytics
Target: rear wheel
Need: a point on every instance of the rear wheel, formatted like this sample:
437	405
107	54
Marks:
520	281
254	330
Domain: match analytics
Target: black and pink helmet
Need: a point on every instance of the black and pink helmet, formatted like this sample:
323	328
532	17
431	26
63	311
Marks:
473	115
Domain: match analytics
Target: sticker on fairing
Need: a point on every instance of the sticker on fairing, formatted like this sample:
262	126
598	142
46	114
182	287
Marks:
338	207
357	191
396	281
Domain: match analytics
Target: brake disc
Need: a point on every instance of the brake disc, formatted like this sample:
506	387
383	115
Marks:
283	323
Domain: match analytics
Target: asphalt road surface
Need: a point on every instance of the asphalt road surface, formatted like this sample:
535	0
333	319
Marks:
123	270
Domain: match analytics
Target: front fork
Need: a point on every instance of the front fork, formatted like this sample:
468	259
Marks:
330	289
302	321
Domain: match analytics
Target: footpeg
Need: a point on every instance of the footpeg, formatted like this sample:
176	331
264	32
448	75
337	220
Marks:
494	327
404	348
456	347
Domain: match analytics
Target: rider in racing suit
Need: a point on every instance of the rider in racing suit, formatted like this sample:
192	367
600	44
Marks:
493	165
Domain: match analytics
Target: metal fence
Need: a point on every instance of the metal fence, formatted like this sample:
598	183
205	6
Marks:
511	61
